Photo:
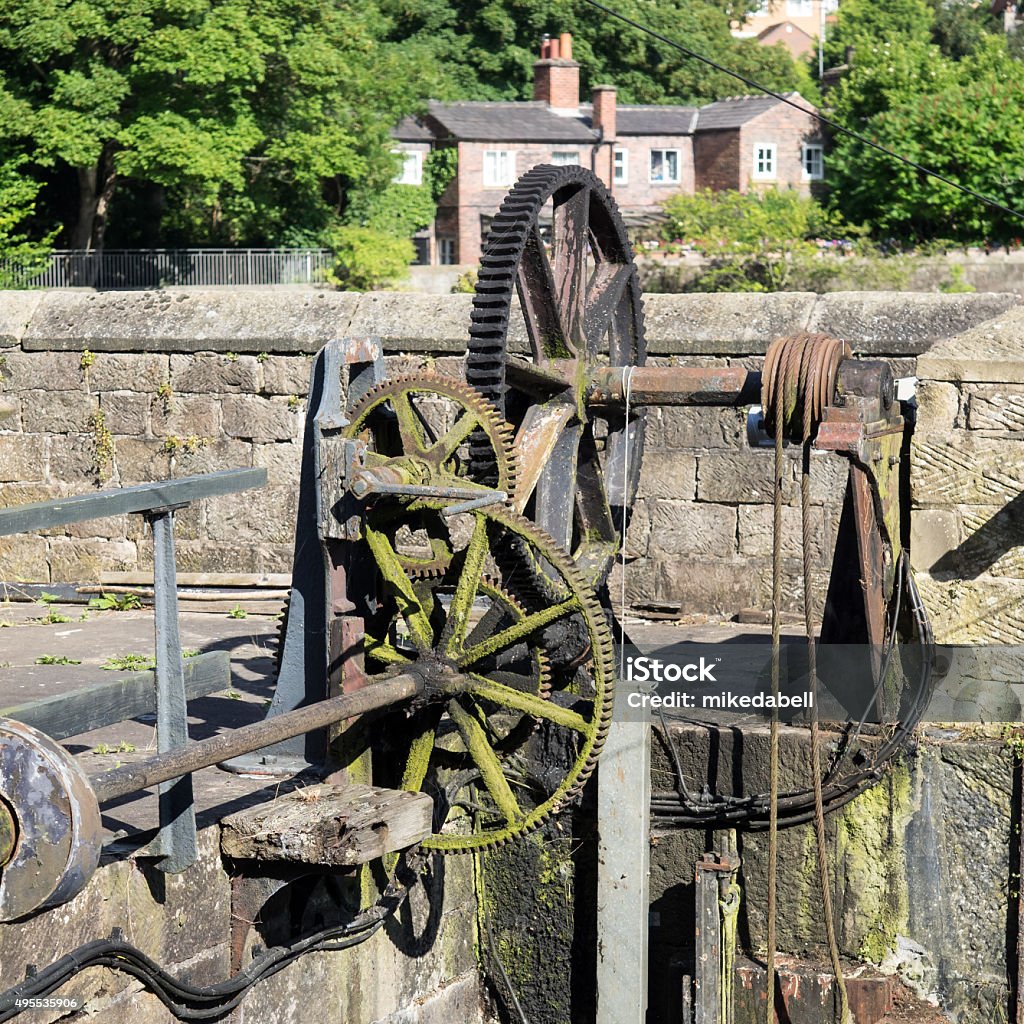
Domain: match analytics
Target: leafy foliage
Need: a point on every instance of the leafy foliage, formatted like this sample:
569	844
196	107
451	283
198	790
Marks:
367	258
17	204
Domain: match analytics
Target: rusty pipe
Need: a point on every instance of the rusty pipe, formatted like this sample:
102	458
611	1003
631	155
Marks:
674	385
175	763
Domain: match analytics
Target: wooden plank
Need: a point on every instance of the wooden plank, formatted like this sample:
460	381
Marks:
42	515
70	714
273	580
332	826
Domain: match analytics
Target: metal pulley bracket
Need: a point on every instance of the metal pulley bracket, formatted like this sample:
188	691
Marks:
57	834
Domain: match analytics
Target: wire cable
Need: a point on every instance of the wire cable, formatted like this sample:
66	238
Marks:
821	118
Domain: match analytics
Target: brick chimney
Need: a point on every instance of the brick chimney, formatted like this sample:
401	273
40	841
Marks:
603	117
556	76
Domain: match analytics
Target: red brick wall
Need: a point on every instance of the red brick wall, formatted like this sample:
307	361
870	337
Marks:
717	156
788	129
557	82
640	193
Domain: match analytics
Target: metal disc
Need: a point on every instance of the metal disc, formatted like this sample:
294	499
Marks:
58	842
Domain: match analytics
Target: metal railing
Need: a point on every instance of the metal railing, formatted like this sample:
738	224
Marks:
157	268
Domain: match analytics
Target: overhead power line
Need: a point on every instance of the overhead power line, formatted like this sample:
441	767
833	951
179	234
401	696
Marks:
821	118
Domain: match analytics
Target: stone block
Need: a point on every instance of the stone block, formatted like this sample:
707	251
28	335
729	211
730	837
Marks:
667	475
129	372
260	419
745	477
938	407
283	462
72	461
22	457
187	416
638	532
904	323
934	533
142	460
414	322
25	371
989	352
24	559
73	560
285	375
204	556
209	458
984	610
126	412
264	515
696	428
58	412
208	373
219	320
995	408
714	584
692	528
16	310
723	324
961	468
756	530
829	474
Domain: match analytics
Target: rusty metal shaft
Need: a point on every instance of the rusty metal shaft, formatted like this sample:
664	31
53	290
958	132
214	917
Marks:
175	763
674	385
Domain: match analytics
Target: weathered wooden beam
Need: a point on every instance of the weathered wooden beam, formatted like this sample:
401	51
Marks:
93	707
331	826
42	515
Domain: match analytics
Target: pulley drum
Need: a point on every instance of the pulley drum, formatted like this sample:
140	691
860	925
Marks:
49	822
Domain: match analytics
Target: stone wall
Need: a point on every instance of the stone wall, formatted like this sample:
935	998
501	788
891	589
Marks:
138	386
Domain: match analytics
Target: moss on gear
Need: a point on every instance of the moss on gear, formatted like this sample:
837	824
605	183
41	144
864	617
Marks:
455	728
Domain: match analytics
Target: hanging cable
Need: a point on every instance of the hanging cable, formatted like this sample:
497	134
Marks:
821	118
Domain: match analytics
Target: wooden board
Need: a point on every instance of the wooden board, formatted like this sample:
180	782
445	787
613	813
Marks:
333	826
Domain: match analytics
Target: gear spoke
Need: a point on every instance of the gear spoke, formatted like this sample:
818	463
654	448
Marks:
409	426
385	652
487	761
448	445
413	612
420	750
569	244
517	632
529	704
467	587
535	280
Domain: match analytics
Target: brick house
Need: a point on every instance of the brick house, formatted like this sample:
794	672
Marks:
643	154
794	23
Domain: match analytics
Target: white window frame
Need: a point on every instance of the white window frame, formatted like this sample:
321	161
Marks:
770	172
807	174
679	167
799	8
620	166
493	160
412	160
446	246
565	157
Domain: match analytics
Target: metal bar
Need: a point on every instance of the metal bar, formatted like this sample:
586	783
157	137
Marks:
674	385
93	707
708	946
624	850
131	778
176	842
42	515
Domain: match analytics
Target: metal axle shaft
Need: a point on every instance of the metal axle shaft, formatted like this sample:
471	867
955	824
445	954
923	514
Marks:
175	763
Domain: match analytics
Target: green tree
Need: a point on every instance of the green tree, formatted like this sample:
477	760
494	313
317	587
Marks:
20	256
253	119
967	127
865	24
487	47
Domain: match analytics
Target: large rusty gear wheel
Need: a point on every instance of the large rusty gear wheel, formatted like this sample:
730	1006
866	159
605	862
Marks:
559	242
450	741
390	418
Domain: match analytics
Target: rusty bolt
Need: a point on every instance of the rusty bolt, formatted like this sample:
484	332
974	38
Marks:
8	833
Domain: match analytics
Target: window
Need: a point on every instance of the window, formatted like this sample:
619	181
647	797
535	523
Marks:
499	168
665	166
764	161
800	8
446	252
620	167
561	157
831	6
412	168
812	158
